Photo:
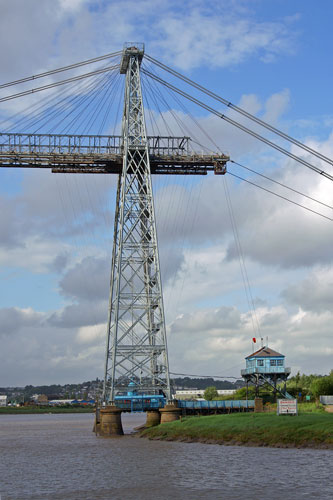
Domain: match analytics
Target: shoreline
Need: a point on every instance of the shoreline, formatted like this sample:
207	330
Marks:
248	444
311	430
44	411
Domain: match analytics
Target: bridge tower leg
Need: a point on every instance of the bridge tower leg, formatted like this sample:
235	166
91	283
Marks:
136	347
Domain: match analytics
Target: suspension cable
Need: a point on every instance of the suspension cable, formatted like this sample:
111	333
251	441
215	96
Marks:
240	110
64	68
280	196
202	376
238	125
281	184
62	82
242	265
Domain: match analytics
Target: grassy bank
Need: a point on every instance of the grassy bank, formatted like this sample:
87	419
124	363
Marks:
256	429
23	410
302	408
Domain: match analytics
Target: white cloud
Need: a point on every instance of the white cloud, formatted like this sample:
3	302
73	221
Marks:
14	319
208	347
72	4
285	249
34	254
71	30
230	41
314	293
89	334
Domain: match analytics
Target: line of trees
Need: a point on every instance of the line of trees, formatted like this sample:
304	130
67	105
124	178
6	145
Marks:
311	385
298	386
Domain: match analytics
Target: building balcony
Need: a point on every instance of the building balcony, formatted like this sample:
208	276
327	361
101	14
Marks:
253	370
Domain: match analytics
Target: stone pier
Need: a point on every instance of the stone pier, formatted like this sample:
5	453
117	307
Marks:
153	418
110	422
170	412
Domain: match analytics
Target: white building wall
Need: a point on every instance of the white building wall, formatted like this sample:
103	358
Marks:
3	400
198	393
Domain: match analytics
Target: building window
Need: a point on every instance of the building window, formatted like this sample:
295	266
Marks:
260	362
280	362
273	362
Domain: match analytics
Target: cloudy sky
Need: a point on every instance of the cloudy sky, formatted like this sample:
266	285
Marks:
272	58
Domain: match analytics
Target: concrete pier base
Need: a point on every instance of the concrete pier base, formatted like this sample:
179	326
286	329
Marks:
258	405
153	418
170	412
97	423
110	422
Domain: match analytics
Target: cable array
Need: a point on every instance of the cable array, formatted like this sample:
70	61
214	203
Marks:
240	110
238	125
90	103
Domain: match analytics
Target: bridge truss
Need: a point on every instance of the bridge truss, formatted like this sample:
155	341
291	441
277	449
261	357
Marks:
136	346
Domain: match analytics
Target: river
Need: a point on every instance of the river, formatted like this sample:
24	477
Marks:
59	457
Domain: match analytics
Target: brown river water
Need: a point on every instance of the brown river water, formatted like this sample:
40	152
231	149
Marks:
59	457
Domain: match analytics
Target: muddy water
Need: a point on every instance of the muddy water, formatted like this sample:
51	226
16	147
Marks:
58	457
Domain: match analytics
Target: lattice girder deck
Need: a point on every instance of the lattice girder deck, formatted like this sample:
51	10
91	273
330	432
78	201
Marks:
136	349
92	154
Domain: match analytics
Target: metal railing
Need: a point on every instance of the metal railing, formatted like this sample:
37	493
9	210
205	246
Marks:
265	370
211	405
55	144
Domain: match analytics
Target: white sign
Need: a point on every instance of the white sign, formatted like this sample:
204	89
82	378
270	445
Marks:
287	407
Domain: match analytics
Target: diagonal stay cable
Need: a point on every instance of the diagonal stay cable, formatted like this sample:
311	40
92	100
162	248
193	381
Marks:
70	102
280	196
32	112
281	184
58	70
242	265
240	110
238	125
62	82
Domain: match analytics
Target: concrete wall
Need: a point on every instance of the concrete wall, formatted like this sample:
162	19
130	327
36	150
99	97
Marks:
326	400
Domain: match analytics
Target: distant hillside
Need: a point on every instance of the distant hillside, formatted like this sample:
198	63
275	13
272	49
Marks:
202	383
93	388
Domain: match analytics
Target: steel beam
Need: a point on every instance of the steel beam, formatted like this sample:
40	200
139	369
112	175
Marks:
136	346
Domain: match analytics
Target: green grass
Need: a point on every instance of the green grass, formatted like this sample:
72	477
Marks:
302	408
265	429
23	410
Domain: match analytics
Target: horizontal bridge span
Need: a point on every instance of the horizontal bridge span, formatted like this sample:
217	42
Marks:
87	145
103	154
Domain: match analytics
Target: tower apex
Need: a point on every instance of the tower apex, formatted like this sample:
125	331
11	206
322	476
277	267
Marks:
131	49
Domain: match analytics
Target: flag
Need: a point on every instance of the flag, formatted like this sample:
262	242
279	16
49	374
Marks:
254	340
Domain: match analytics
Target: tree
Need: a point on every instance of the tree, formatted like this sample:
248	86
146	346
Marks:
241	393
322	386
210	393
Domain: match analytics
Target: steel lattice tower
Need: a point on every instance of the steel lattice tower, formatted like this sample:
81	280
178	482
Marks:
136	348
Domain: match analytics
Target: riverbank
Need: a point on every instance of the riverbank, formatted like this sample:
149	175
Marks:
25	410
309	430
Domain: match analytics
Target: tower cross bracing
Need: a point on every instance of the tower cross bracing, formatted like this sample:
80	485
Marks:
136	341
136	345
136	348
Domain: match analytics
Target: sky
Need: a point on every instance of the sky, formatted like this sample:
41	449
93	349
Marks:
272	58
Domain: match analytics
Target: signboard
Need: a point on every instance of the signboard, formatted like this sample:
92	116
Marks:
287	407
